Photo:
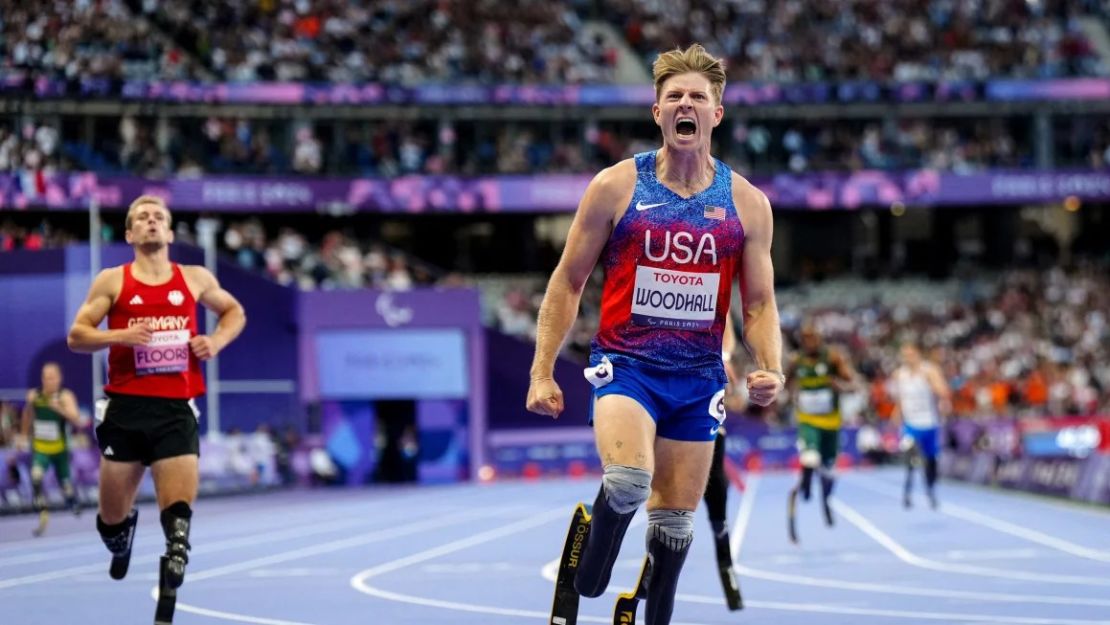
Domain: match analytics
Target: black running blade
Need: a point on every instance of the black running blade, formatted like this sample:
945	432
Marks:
564	608
624	612
791	516
167	597
731	586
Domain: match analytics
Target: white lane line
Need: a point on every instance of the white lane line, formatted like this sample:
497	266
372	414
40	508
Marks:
993	554
1031	535
310	529
293	572
328	547
742	519
222	519
36	544
1097	511
345	543
45	577
950	617
459	545
46	556
915	591
947	617
213	547
359	581
227	616
1006	527
907	556
744	515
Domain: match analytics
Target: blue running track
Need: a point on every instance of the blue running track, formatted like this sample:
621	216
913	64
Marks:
483	554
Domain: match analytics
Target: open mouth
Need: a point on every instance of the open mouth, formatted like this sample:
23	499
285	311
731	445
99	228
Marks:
686	126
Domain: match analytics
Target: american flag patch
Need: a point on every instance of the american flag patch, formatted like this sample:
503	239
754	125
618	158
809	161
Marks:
715	212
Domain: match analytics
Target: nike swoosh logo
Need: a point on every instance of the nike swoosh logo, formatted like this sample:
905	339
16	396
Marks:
640	206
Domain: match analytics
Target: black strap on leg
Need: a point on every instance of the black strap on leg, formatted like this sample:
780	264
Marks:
176	520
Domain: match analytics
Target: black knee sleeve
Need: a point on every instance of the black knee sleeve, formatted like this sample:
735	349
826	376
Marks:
117	536
176	519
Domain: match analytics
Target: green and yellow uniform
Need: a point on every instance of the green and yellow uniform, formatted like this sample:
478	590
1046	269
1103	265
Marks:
817	407
49	445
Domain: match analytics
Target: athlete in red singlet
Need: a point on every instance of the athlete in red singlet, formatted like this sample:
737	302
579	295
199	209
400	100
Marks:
153	376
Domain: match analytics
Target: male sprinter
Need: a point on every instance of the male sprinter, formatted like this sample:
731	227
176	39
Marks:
153	375
673	228
48	410
921	396
818	375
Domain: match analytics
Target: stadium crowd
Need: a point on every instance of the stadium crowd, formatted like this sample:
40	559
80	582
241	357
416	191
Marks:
867	40
1023	343
542	41
194	147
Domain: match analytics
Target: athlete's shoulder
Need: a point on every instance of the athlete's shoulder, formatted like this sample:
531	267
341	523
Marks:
111	273
108	280
747	195
753	207
610	191
199	279
616	178
197	274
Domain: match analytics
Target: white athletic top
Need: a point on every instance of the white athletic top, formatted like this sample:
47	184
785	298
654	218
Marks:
916	399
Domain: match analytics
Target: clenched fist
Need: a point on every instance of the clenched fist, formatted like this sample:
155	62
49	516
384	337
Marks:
545	397
136	335
203	347
763	386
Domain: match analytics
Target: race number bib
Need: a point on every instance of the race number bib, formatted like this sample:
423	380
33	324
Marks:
167	352
47	431
601	374
680	300
818	401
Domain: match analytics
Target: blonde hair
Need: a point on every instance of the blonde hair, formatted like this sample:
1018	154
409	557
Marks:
692	59
145	199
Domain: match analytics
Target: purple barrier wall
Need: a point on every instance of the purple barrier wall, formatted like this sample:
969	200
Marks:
1085	479
746	94
42	291
228	464
491	194
428	345
562	451
509	362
